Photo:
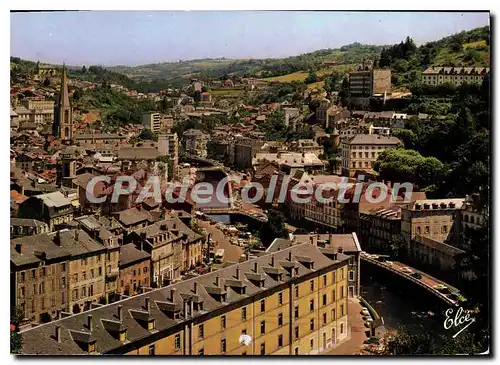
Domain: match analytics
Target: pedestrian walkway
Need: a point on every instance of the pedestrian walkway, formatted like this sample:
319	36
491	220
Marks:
358	331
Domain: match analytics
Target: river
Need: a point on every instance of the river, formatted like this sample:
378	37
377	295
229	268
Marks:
396	306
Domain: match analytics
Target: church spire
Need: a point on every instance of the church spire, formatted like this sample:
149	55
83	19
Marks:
63	93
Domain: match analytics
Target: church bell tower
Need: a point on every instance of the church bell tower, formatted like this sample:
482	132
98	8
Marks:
63	113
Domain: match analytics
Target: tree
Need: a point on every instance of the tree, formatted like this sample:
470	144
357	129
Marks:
84	69
146	134
16	342
273	228
311	77
417	341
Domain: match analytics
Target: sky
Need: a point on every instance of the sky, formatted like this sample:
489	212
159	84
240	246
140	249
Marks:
142	37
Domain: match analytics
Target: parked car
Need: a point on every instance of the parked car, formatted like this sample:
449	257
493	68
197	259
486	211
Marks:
406	270
417	275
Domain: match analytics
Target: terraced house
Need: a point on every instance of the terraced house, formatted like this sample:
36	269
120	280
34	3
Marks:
57	272
292	301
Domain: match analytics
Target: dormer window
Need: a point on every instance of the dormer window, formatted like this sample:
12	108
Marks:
123	336
91	347
151	325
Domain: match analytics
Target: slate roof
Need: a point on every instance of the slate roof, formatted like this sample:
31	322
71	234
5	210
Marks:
130	254
34	247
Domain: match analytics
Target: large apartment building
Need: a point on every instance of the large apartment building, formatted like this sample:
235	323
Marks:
361	151
152	121
369	82
429	229
290	302
454	75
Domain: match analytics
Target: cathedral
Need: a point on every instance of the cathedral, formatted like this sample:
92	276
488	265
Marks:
63	113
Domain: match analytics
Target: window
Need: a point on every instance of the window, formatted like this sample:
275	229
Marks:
351	275
63	283
296	312
341	328
33	274
280	298
342	291
200	331
311	324
324	318
324	280
312	343
262	305
311	305
84	292
84	275
427	229
42	288
263	348
223	346
341	310
297	291
151	350
91	290
177	343
91	273
296	351
296	332
333	315
22	277
84	262
144	270
63	267
223	322
44	271
311	284
100	270
262	327
280	341
21	292
342	274
244	331
201	351
244	313
418	230
63	298
280	319
324	299
333	278
445	229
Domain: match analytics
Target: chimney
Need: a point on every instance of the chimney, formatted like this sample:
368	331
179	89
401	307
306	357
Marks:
186	307
120	313
289	255
272	260
139	207
57	238
255	266
172	292
77	234
90	324
163	227
340	249
331	240
146	303
19	248
217	280
314	240
58	333
195	287
58	314
237	273
191	308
